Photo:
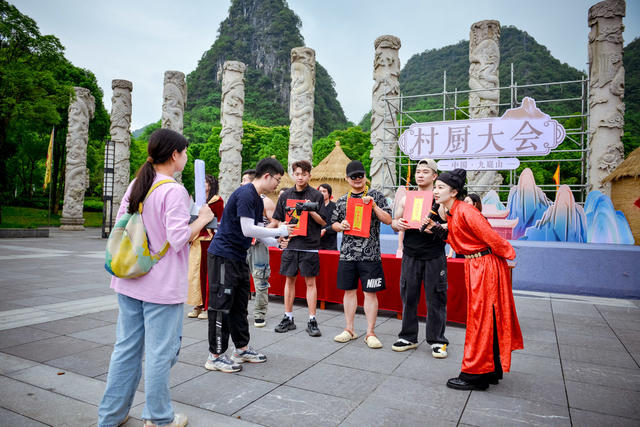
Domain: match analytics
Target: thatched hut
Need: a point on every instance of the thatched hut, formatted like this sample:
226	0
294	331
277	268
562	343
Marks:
332	170
625	190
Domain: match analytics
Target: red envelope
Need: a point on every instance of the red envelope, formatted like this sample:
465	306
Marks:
301	226
359	217
417	204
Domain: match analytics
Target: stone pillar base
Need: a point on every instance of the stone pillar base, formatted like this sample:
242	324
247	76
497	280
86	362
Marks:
72	224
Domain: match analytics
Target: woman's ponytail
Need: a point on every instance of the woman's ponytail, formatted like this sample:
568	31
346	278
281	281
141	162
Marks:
162	144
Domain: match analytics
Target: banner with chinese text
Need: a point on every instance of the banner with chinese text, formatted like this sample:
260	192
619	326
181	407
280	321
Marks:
522	131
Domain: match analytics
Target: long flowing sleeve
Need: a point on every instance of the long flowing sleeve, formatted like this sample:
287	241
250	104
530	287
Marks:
479	226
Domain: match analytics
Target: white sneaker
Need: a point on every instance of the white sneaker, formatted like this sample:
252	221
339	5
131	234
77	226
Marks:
222	364
179	420
439	351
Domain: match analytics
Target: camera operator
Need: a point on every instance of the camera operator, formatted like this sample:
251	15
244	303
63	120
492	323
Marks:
301	253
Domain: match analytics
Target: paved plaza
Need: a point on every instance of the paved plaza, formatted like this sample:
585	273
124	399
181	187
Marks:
580	365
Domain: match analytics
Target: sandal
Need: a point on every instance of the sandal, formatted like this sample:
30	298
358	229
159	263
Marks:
194	313
373	341
345	336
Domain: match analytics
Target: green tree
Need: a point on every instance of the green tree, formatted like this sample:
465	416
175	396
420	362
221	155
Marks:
28	89
36	84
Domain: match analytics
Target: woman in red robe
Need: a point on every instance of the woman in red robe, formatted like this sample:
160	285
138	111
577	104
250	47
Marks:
198	294
493	331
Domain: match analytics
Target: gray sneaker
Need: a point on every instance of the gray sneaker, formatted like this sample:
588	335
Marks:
221	363
248	355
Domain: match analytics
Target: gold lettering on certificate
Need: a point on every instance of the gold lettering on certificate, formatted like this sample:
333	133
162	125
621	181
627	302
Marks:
417	209
357	217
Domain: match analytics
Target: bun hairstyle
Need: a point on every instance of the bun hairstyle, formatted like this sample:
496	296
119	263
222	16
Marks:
162	144
455	179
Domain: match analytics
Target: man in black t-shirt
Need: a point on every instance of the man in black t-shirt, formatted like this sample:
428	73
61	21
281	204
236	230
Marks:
423	259
229	272
328	237
301	253
360	258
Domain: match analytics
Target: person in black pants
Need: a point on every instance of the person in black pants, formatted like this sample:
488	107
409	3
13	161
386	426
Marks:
229	272
328	237
423	260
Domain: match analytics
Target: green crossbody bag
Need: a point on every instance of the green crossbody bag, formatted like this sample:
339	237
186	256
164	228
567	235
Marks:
127	254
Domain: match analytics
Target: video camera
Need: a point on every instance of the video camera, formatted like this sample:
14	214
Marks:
299	208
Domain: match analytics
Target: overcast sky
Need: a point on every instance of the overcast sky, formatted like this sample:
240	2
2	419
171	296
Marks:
138	40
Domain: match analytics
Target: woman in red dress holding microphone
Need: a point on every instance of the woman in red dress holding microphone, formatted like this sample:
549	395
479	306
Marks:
493	331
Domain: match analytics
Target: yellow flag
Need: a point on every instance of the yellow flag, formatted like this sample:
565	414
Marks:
556	177
47	174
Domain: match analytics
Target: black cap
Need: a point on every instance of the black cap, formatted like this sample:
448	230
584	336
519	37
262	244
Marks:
355	167
455	179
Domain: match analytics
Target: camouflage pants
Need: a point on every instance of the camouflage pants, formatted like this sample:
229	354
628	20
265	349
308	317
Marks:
258	261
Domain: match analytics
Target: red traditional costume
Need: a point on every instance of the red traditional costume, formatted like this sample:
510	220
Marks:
198	294
488	290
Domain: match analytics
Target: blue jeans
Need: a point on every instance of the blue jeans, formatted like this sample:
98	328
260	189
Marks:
156	330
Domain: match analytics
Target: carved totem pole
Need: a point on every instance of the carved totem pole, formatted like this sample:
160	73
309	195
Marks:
384	132
81	110
121	136
606	83
231	112
484	59
303	84
174	99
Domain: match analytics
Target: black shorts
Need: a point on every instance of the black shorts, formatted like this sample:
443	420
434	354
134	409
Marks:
370	274
307	262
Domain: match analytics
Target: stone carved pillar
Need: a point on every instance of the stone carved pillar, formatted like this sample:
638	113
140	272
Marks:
484	59
606	83
231	112
81	110
174	99
384	135
303	83
121	136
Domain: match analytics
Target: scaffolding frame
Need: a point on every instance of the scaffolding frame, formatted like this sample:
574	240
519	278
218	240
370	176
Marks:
449	103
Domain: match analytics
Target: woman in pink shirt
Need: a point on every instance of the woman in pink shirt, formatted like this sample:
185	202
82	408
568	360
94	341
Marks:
150	306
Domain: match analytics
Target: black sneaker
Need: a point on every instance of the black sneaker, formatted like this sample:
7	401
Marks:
312	328
285	325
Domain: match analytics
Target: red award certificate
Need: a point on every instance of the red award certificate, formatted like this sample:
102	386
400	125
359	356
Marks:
417	204
301	226
359	217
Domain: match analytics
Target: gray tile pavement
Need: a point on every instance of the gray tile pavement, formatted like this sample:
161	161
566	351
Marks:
580	365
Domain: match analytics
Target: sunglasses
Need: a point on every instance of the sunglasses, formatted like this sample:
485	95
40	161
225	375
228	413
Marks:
356	176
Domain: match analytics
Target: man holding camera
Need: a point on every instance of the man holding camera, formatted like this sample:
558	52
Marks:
301	253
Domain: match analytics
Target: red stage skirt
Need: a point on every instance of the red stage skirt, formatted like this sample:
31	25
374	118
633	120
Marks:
389	299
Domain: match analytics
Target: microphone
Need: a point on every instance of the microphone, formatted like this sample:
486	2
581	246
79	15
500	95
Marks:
433	214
